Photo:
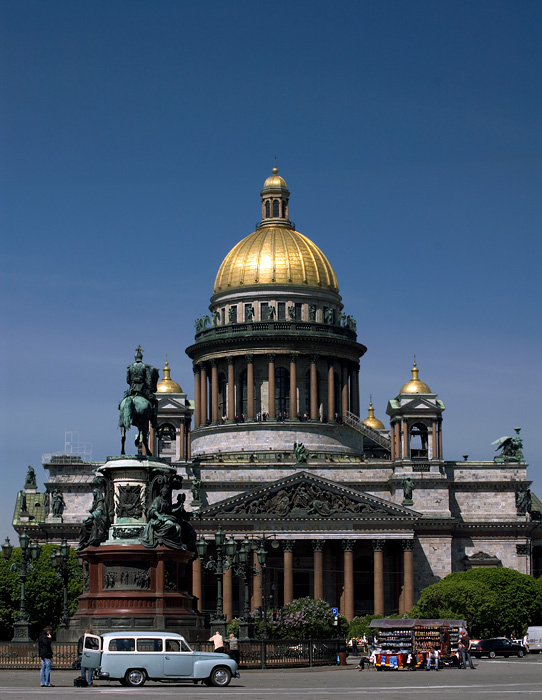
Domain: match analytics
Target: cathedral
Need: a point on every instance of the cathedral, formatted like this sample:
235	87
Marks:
273	448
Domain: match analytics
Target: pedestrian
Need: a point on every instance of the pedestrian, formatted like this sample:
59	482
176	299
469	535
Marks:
433	655
464	647
86	672
45	651
218	642
233	643
354	643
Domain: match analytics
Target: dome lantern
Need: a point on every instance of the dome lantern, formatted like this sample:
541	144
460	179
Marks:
371	421
275	201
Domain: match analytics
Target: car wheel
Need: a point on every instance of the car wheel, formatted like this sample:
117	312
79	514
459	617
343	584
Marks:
492	654
521	653
220	676
135	677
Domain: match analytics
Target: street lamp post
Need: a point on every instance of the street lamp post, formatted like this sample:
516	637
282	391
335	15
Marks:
241	566
218	622
59	560
261	553
29	552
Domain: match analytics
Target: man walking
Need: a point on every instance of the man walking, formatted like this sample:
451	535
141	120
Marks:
464	647
45	651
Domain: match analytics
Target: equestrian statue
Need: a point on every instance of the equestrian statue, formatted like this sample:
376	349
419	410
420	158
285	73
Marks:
139	406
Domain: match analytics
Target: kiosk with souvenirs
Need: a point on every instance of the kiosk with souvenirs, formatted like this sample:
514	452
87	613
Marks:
409	644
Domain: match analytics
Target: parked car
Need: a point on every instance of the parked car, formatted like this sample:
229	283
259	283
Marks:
134	657
496	647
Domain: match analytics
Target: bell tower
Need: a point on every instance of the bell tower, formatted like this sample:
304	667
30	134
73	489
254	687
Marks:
416	422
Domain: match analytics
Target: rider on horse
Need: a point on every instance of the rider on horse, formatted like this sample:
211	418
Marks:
143	381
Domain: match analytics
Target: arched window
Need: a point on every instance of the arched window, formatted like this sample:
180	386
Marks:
418	441
282	391
276	208
267	209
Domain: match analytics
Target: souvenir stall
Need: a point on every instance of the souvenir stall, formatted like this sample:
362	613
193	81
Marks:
408	644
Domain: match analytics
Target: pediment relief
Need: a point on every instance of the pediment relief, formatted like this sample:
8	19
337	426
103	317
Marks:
304	495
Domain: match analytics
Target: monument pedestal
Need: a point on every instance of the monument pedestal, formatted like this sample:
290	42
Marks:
133	587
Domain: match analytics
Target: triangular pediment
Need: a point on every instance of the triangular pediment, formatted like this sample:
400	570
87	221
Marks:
416	403
170	404
304	495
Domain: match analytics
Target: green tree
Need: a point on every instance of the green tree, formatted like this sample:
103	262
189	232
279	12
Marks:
493	601
304	618
43	592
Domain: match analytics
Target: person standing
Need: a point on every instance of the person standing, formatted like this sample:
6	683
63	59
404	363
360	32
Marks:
464	650
218	642
233	643
86	672
45	651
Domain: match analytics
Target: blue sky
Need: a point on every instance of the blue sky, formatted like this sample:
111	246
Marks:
136	136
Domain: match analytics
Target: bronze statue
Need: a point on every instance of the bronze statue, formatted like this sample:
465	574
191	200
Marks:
300	452
139	405
408	488
162	526
30	480
95	527
523	501
511	448
58	504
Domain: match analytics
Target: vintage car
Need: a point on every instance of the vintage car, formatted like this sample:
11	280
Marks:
499	646
135	657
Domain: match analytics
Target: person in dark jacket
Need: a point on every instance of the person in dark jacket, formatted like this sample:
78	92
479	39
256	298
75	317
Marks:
45	651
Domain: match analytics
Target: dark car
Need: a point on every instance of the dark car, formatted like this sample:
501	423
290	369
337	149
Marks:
496	647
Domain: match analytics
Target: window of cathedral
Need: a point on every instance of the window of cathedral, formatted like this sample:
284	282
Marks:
276	208
285	209
299	312
281	310
267	210
222	315
264	311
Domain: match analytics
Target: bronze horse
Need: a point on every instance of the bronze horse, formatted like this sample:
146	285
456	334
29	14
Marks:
136	411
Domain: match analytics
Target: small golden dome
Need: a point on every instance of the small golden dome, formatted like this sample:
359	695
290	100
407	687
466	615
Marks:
371	421
167	385
275	255
274	181
415	386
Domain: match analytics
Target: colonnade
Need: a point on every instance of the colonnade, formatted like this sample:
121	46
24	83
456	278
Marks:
333	387
347	595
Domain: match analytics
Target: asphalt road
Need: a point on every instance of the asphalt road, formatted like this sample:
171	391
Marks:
514	678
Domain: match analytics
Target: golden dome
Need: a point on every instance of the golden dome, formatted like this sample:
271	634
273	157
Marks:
274	181
167	385
275	255
371	421
415	386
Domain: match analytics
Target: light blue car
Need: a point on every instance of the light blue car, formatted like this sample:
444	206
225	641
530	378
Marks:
135	657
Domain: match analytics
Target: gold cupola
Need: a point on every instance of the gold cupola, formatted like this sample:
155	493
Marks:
275	254
167	385
415	385
371	421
